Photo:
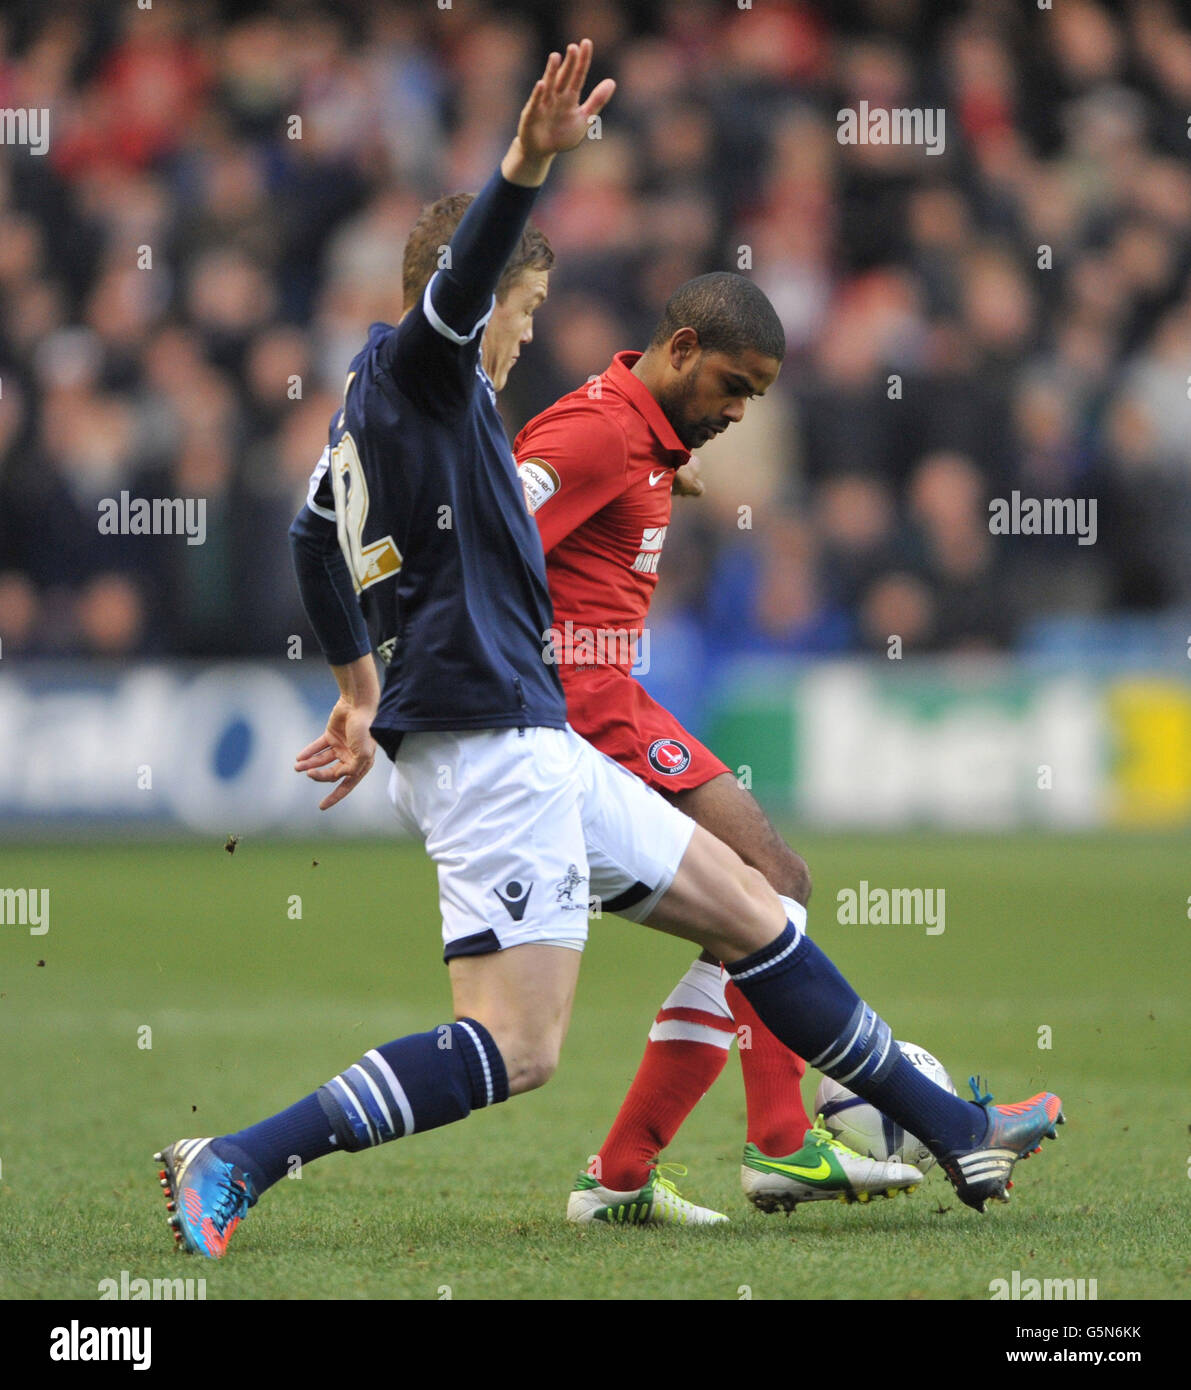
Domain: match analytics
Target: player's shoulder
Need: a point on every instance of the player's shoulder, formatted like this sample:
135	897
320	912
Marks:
373	357
379	345
578	426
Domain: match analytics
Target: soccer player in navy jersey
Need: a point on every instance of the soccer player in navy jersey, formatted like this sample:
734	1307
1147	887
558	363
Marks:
522	817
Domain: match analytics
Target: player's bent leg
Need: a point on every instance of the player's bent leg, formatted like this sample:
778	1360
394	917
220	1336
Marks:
712	897
635	845
688	1042
687	1048
685	1053
511	859
523	996
805	1001
734	816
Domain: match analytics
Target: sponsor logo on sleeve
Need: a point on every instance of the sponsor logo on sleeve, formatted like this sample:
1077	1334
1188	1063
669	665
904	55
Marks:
539	482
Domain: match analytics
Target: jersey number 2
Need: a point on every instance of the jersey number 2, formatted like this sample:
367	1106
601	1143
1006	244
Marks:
369	564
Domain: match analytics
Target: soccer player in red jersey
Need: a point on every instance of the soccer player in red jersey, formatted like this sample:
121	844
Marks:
598	468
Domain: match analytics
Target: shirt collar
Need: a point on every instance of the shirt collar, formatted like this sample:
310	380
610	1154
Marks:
620	373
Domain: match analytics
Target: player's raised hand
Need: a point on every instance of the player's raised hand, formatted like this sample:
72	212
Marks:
343	754
554	118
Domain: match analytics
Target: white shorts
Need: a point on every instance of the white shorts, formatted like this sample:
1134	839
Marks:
528	829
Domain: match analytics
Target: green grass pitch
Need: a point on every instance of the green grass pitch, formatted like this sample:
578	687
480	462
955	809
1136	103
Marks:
250	1008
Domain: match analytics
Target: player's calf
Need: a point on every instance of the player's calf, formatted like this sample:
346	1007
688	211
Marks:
523	997
416	1083
422	1082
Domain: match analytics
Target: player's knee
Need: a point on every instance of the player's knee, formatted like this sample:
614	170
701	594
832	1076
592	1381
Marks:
530	1059
538	1070
744	897
756	888
531	1066
796	879
786	870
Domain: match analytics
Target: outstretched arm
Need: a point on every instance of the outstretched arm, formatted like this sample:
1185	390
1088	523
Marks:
458	298
553	120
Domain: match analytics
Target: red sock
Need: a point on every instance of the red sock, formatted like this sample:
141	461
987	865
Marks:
687	1048
778	1121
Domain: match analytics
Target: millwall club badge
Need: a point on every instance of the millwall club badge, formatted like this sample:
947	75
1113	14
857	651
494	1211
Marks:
669	757
564	890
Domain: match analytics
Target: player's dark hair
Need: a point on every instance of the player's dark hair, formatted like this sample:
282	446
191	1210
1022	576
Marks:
433	230
729	313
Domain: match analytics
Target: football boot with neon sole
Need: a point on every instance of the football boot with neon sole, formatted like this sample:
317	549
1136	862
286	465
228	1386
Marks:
658	1203
823	1170
206	1196
1014	1131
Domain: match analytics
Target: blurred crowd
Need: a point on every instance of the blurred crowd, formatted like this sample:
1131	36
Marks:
220	214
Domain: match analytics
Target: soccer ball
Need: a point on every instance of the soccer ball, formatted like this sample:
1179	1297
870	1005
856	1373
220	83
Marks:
862	1126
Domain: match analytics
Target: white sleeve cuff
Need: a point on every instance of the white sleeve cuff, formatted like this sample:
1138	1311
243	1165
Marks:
445	329
316	477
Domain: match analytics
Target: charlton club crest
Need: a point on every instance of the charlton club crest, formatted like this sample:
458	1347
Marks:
669	757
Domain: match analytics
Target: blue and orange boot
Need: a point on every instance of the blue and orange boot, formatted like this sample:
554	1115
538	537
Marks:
206	1196
1014	1131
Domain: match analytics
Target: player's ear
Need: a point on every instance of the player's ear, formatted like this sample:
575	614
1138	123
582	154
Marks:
684	349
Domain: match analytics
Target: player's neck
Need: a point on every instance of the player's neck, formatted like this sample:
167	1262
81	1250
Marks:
648	369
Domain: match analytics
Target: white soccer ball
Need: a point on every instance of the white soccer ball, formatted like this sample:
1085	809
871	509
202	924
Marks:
862	1126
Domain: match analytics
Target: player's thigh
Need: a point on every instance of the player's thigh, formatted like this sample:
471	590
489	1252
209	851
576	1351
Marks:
652	864
616	713
523	996
500	812
635	839
733	815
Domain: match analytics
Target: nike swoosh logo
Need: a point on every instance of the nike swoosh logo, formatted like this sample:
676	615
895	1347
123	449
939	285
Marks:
822	1170
657	475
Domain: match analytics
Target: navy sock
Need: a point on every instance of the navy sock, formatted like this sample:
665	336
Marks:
420	1082
266	1151
808	1005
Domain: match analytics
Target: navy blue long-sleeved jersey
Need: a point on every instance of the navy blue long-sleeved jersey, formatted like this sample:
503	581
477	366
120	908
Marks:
416	508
